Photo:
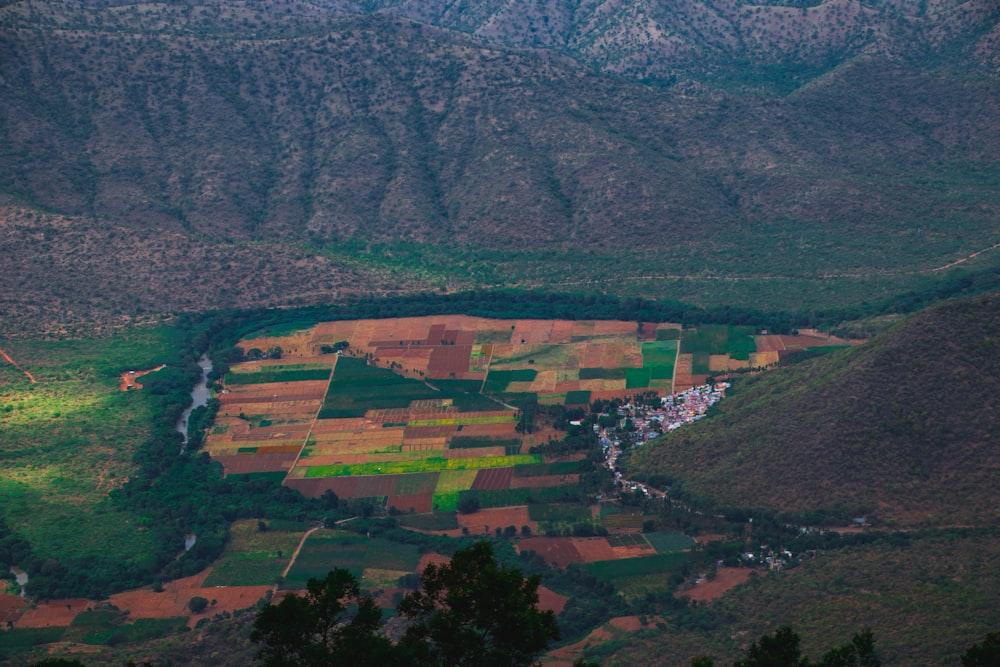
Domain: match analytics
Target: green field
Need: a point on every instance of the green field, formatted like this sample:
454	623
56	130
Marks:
422	465
624	568
498	381
669	542
254	557
68	440
327	549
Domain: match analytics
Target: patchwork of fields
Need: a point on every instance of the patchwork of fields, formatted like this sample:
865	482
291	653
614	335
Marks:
415	412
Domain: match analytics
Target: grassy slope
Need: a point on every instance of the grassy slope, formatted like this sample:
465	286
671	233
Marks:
926	602
68	440
903	427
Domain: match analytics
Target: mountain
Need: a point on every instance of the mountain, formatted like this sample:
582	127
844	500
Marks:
903	429
713	152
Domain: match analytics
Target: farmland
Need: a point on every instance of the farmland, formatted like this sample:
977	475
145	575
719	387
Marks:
415	412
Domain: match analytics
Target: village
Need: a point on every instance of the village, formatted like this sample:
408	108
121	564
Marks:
642	419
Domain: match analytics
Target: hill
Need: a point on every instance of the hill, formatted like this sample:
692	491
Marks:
902	428
349	151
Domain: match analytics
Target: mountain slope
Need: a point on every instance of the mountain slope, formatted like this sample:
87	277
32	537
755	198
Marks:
904	427
383	143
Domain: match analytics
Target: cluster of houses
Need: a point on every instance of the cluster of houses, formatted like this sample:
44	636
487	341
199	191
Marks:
644	421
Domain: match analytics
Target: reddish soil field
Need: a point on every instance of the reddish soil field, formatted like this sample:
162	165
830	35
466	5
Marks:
549	600
57	613
431	559
493	478
542	480
420	503
497	516
562	331
532	332
593	549
769	343
11	608
241	464
441	431
453	358
490	430
725	579
559	550
176	594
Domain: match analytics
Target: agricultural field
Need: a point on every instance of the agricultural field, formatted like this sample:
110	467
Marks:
420	412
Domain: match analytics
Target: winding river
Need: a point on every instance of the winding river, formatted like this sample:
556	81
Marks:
199	395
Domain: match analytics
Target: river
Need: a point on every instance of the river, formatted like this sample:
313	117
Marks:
199	395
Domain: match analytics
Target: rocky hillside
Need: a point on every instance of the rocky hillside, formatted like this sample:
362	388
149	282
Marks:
903	428
454	144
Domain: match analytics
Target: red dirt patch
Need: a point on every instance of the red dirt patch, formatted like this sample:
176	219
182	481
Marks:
488	519
420	502
559	550
56	613
626	623
11	608
549	600
173	601
431	559
725	579
593	549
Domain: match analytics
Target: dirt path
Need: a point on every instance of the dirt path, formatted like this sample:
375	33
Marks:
295	555
13	363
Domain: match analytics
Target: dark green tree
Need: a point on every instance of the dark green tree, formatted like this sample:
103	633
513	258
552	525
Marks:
984	654
781	650
333	623
474	611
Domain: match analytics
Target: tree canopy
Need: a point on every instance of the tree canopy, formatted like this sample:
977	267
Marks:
471	611
333	623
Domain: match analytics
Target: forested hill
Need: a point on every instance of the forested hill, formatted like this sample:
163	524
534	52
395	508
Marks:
904	428
353	147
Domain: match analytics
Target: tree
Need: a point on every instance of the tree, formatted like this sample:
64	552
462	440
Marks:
781	650
474	611
197	604
468	504
333	623
984	654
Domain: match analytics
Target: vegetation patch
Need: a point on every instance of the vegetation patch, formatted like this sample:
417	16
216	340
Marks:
669	541
624	568
497	381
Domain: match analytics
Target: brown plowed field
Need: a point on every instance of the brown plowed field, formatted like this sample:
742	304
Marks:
453	358
493	478
726	578
173	600
538	481
241	464
420	503
769	343
441	431
562	331
11	608
490	430
496	516
57	613
559	550
593	549
549	600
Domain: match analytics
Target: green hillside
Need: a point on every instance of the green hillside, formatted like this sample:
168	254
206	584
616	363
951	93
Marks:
903	428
